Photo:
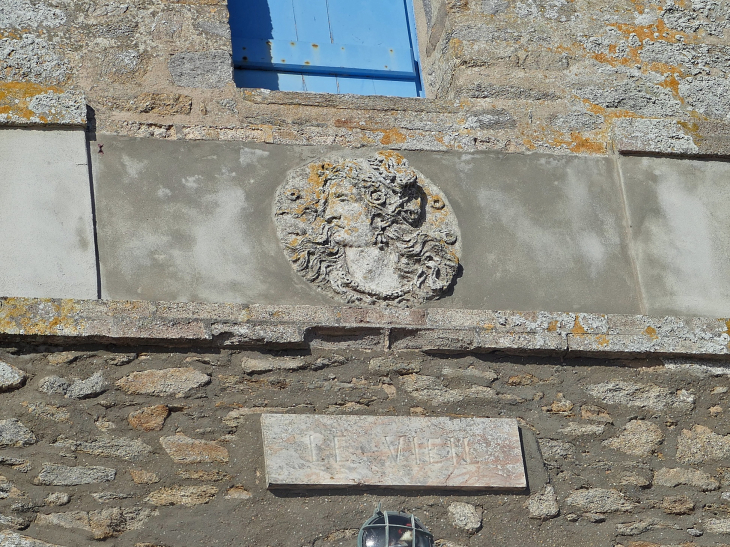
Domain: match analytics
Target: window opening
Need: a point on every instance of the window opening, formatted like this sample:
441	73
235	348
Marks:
366	47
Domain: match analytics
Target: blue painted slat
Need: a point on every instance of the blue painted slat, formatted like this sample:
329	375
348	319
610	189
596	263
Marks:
325	58
357	86
320	84
395	88
312	21
371	22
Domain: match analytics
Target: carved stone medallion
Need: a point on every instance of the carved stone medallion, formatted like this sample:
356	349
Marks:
368	230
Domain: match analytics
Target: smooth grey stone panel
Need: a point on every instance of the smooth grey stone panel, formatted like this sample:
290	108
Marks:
182	220
404	451
47	243
680	221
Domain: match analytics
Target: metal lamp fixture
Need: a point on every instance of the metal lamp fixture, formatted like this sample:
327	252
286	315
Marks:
393	529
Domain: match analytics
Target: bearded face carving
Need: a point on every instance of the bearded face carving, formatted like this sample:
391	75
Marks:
368	231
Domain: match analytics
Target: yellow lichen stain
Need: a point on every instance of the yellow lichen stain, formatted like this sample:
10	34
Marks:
489	327
651	333
602	340
579	144
45	317
392	136
15	98
552	326
577	327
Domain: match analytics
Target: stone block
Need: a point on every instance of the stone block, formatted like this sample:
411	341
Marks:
206	69
408	452
48	240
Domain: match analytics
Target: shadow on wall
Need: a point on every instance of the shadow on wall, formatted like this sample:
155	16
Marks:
251	20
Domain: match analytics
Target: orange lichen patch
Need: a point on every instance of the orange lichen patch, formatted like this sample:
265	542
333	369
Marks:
651	333
552	326
644	32
727	326
392	136
672	84
15	98
488	327
577	327
580	144
45	316
529	144
602	340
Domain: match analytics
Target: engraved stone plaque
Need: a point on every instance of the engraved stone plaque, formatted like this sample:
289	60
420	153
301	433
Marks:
368	230
393	451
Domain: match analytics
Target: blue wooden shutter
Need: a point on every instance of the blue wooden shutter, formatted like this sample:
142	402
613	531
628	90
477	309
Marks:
366	47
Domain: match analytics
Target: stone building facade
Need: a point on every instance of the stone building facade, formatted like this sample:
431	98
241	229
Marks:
176	264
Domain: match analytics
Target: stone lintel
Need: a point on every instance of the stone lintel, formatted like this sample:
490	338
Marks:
392	451
333	327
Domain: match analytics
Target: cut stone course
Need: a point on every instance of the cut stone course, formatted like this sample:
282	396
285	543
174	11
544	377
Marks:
11	377
183	495
600	500
14	433
151	418
701	444
638	438
63	475
465	516
178	382
691	477
183	449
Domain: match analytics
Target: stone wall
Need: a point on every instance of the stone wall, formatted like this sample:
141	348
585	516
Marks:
152	446
514	76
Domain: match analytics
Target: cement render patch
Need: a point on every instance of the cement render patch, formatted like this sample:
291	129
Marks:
192	221
681	232
47	243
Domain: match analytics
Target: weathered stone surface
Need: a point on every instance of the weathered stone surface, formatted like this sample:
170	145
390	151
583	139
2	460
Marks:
162	103
553	450
430	389
574	429
19	464
93	386
237	492
717	526
182	495
634	479
200	475
638	438
392	451
691	477
14	433
11	377
127	449
54	385
642	395
140	476
386	365
701	444
252	365
637	527
17	523
178	382
465	516
543	504
12	539
206	69
57	499
595	413
151	418
63	475
183	449
102	524
50	412
677	505
106	497
8	489
600	500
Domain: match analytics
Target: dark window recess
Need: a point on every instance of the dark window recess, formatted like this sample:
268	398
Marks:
366	47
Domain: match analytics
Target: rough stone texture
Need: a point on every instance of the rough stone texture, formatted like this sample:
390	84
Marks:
14	433
543	504
205	69
48	242
63	475
12	539
178	382
600	500
465	516
691	477
701	444
183	495
102	524
151	418
11	377
638	438
91	387
49	412
183	449
126	449
677	505
642	396
717	526
320	451
57	499
139	476
253	365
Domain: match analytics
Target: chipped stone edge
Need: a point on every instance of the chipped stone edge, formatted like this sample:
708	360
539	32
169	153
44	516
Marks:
432	329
